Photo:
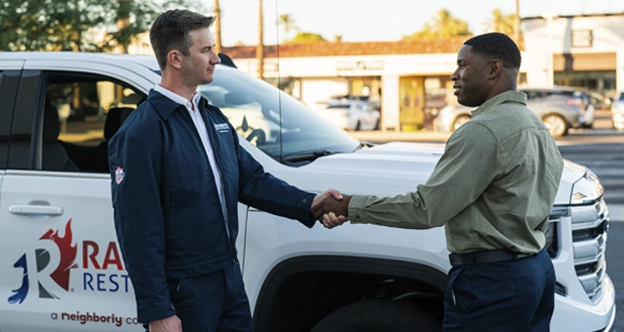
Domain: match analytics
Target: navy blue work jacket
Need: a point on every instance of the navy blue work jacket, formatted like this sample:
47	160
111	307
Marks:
167	211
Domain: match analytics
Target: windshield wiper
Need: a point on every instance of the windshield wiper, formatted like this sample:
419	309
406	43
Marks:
364	144
308	156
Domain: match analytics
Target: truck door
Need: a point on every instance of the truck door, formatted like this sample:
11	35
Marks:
61	267
9	81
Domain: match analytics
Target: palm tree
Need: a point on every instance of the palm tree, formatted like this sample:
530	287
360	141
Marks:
501	23
260	47
443	25
516	30
217	14
288	24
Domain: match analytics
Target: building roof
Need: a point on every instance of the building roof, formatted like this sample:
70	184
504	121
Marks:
599	15
325	48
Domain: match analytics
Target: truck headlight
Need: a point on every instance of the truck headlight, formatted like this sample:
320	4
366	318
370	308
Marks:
586	190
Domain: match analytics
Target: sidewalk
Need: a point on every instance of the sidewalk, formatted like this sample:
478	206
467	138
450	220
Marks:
378	136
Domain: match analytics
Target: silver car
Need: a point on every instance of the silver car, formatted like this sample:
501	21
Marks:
352	115
560	109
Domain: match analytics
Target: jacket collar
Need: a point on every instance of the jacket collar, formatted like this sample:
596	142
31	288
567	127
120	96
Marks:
165	106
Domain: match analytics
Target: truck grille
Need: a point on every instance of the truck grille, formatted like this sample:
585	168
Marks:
589	239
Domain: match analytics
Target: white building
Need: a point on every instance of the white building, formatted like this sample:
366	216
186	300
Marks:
582	51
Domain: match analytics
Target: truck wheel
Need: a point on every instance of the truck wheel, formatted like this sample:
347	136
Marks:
376	316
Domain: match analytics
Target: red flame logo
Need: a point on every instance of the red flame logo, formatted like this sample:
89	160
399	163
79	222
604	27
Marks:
68	255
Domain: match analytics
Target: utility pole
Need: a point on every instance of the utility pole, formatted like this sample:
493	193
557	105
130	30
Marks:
217	14
260	47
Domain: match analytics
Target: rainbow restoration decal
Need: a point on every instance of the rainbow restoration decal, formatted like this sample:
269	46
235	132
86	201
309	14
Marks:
82	267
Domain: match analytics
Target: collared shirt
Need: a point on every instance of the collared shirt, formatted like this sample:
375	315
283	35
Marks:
200	126
493	188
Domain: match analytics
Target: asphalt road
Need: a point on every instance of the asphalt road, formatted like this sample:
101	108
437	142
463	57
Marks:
615	269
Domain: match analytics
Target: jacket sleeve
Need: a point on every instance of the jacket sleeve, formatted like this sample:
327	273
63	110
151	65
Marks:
135	186
264	191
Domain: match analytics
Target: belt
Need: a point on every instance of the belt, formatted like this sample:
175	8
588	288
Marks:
489	256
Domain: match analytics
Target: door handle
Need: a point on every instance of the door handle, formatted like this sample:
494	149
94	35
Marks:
36	210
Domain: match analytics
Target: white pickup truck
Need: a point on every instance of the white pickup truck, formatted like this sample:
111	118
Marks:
60	265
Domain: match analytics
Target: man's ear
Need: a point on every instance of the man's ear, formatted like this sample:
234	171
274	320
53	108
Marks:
494	68
174	57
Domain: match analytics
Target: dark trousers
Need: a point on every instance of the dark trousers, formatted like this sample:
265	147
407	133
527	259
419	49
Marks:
212	302
516	295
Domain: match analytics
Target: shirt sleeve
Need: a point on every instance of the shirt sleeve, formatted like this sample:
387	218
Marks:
469	164
139	222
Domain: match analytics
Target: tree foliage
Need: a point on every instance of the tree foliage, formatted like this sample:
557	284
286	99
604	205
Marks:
499	22
306	37
76	25
288	24
442	25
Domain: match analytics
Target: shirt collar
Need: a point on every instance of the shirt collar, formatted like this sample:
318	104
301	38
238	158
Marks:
507	96
177	98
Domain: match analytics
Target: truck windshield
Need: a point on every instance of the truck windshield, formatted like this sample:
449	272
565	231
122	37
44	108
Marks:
258	110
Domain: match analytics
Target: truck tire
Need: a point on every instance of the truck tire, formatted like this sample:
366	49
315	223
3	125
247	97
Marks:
378	316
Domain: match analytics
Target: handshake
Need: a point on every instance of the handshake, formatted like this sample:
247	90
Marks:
331	208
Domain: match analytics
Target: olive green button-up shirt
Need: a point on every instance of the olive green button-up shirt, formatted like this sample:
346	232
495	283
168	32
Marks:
493	188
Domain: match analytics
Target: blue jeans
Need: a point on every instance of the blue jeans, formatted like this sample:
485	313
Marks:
516	295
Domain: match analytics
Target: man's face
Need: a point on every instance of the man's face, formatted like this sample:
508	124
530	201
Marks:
198	67
471	78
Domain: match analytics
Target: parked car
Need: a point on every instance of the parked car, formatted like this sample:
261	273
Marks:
560	108
599	101
617	108
352	115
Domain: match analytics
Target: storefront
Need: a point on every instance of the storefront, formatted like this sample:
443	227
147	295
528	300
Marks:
582	51
411	80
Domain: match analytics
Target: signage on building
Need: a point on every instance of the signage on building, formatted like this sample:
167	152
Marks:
582	38
429	64
350	65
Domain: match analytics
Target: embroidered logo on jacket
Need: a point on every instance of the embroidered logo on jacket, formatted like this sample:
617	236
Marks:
119	175
222	127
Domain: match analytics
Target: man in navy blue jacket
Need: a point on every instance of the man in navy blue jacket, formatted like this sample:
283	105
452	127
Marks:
178	172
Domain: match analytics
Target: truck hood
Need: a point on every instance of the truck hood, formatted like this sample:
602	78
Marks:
396	168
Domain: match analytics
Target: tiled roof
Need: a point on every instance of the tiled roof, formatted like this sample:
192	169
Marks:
315	49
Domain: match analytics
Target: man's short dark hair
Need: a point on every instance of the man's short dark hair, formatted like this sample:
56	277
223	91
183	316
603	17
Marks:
170	31
496	45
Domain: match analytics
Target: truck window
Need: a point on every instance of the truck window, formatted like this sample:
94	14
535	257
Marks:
80	114
4	128
8	87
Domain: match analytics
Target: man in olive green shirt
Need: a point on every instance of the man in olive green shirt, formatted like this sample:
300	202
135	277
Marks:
493	190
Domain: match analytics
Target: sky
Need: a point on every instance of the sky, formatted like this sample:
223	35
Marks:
379	20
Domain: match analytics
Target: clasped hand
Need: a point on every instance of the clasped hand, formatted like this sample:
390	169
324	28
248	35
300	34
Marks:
331	208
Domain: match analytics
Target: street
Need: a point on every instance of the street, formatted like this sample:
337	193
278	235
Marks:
615	269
